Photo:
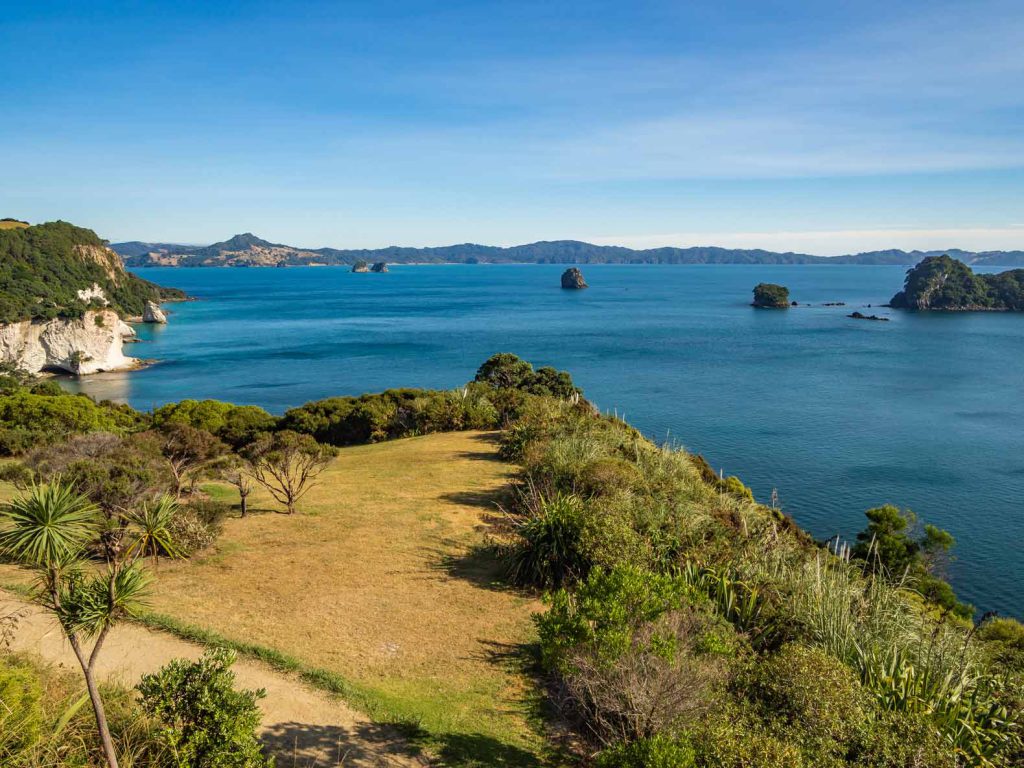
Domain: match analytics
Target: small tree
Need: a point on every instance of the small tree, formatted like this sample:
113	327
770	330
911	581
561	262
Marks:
206	722
287	464
50	528
187	450
238	472
505	371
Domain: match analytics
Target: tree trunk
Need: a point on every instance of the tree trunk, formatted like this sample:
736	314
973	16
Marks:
97	701
245	503
101	719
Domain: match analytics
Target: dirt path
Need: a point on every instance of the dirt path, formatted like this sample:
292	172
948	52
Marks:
305	728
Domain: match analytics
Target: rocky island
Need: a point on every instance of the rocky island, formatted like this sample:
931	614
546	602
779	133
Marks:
361	266
63	297
770	296
379	266
572	279
862	316
942	283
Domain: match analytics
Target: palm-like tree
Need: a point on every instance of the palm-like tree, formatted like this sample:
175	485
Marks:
151	525
50	528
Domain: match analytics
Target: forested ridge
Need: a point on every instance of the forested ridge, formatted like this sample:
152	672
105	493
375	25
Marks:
43	267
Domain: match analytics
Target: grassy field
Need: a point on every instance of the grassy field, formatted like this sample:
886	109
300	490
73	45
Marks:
12	225
379	579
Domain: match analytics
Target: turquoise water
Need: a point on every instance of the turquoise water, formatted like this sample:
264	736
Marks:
839	415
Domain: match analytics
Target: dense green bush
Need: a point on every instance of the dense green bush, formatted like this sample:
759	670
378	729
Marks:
636	653
392	414
206	723
660	751
817	696
236	425
508	371
55	417
731	739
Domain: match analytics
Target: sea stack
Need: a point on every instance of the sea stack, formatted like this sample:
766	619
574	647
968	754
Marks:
771	296
361	266
379	266
153	314
572	279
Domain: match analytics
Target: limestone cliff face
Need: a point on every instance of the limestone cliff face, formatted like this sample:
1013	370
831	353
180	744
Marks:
83	345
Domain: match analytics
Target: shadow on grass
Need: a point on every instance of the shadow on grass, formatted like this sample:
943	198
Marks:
481	566
474	750
490	499
304	745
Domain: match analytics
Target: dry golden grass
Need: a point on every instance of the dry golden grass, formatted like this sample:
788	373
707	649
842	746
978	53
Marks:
12	225
376	579
381	578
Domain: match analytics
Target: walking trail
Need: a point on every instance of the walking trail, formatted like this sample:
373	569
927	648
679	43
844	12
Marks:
303	727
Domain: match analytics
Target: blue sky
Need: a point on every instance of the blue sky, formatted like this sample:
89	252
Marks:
823	127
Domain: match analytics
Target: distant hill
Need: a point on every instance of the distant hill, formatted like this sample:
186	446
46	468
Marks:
249	250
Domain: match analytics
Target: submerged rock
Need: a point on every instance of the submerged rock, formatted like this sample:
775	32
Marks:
379	266
153	314
572	278
862	316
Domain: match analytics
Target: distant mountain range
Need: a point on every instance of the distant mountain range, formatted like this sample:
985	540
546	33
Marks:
247	250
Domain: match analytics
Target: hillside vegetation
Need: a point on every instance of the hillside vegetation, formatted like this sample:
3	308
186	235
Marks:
43	267
686	625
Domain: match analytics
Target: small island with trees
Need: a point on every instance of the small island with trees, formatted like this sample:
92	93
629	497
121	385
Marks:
770	296
945	284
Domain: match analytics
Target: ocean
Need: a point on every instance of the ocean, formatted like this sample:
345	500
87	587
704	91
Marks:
834	414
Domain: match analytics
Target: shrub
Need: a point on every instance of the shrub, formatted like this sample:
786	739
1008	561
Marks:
903	740
633	655
817	695
734	740
657	751
605	611
16	441
206	723
189	532
608	474
548	552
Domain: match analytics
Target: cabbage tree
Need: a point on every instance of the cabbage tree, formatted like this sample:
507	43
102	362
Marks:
51	530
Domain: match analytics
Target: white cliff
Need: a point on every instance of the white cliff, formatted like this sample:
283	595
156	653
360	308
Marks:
83	345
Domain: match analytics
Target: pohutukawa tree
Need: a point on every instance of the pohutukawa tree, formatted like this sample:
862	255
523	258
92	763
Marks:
50	528
287	463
